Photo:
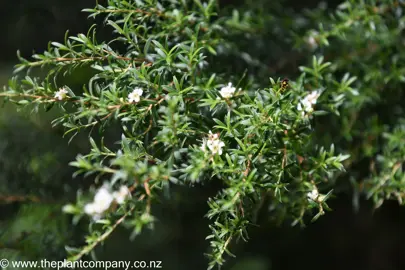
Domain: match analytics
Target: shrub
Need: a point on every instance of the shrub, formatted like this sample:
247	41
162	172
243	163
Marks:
187	85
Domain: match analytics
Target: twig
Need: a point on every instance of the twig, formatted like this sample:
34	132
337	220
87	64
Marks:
152	12
90	247
18	198
80	59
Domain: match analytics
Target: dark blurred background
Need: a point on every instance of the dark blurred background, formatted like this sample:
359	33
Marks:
34	158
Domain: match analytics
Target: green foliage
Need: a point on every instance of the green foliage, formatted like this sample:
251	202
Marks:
32	232
272	145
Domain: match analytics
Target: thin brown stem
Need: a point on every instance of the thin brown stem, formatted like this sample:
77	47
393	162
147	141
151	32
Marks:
18	198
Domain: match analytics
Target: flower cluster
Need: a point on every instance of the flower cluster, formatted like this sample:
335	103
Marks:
135	95
306	105
213	143
103	200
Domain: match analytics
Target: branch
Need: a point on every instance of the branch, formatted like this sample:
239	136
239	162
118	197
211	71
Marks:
81	59
138	10
18	198
104	236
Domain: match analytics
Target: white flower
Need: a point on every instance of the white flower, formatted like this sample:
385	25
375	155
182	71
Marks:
311	40
135	95
307	103
227	91
101	203
312	98
213	143
212	136
215	146
203	147
61	94
121	195
103	199
313	195
90	209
